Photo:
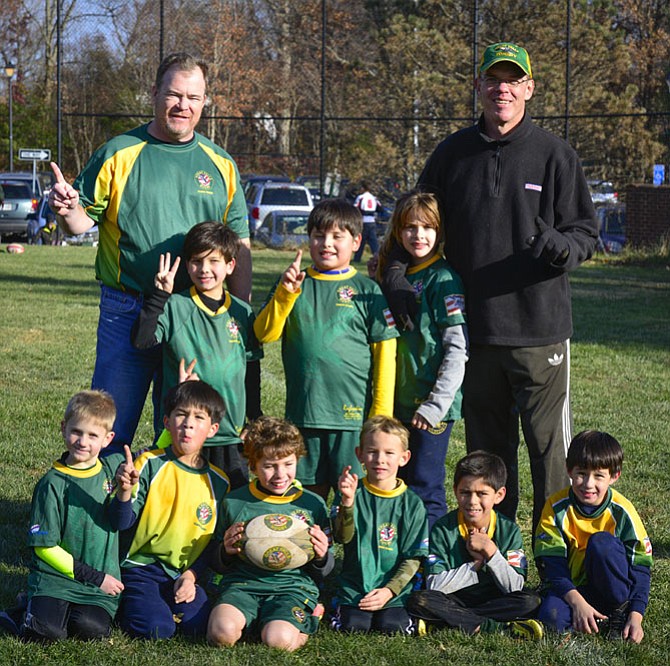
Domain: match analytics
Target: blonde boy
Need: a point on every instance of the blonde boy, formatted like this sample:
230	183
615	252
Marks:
384	529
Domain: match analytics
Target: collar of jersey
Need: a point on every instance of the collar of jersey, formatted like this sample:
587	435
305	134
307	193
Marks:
344	274
78	473
423	265
464	530
598	512
400	488
195	295
259	493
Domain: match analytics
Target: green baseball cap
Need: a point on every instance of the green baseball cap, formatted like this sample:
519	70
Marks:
506	52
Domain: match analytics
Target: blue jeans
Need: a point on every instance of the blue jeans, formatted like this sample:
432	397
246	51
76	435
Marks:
370	237
122	370
425	472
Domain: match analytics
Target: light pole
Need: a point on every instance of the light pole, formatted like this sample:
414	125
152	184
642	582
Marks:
9	73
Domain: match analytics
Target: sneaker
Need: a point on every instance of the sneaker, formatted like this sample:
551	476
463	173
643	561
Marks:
530	630
613	627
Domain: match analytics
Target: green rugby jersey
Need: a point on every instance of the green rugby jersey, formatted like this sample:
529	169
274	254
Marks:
146	194
326	348
564	531
221	341
390	526
439	294
448	550
177	507
70	509
243	504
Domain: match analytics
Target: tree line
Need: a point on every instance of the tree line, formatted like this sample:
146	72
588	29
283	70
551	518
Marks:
387	78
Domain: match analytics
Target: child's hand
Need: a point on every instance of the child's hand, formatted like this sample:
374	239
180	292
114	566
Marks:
633	631
231	538
184	588
479	544
111	585
347	485
375	600
127	475
187	374
319	541
293	277
584	615
164	279
419	422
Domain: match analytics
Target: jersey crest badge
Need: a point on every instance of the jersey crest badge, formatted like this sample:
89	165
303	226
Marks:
298	614
387	535
108	486
345	295
233	330
418	289
204	513
203	180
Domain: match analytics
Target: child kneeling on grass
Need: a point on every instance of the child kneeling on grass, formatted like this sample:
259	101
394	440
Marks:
476	570
592	548
172	498
283	605
384	529
74	582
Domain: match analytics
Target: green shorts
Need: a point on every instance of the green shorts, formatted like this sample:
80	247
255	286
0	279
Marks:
328	453
263	608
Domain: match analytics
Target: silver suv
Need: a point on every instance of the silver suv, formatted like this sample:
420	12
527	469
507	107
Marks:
19	203
264	198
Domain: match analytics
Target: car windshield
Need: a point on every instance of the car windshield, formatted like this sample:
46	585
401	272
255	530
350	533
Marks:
284	197
293	224
16	191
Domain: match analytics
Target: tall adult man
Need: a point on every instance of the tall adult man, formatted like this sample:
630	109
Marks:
145	189
518	217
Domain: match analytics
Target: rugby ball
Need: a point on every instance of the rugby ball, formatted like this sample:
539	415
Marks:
276	542
15	248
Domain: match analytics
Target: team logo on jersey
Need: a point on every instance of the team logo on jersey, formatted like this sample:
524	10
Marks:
517	559
233	330
301	515
387	535
352	413
418	289
204	513
345	294
298	614
204	180
455	304
108	486
388	316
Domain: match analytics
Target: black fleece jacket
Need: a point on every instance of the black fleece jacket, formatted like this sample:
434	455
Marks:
493	193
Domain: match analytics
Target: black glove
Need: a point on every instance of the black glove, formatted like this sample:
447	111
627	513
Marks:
549	243
398	291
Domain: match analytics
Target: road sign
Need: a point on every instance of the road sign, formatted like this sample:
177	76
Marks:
659	174
37	154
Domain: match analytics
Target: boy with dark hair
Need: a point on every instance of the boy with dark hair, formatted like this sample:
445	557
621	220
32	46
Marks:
210	325
477	568
282	605
592	548
383	526
74	582
338	344
171	499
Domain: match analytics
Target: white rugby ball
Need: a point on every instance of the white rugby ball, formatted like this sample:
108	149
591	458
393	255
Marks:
15	248
276	542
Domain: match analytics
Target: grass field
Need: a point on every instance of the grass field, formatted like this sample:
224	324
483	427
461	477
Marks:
620	383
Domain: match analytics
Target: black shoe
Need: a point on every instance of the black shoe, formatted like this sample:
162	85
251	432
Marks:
617	621
10	621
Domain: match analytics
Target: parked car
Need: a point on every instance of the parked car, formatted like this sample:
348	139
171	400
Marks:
251	180
611	228
266	197
313	184
43	182
19	204
284	229
602	192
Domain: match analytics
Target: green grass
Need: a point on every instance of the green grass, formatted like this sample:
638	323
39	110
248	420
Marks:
620	383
